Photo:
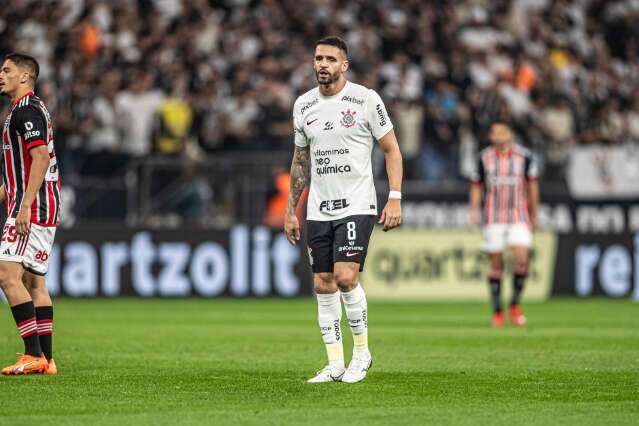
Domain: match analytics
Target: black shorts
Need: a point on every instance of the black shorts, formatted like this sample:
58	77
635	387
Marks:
342	240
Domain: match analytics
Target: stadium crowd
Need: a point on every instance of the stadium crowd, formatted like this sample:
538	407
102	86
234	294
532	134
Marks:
126	78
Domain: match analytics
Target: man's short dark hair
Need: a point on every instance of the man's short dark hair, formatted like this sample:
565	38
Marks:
25	61
333	41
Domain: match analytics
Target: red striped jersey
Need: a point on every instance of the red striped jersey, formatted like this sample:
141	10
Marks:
28	126
505	178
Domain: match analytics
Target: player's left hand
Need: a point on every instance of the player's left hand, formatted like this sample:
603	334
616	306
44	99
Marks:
23	222
391	215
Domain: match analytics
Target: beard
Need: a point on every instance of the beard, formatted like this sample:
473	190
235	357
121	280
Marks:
327	78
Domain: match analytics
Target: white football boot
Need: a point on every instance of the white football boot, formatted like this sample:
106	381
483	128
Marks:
359	366
328	374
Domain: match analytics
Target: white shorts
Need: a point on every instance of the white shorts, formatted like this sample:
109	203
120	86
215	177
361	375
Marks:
499	236
32	251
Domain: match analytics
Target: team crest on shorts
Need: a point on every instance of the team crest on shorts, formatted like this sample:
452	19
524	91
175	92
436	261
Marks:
348	118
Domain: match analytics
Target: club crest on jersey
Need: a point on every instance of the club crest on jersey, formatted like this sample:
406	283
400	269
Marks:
348	118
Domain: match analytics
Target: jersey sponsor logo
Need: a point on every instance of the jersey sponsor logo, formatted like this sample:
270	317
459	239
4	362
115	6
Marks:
353	100
503	180
336	151
350	248
349	254
331	205
381	115
348	118
32	134
328	125
333	170
42	256
309	122
309	105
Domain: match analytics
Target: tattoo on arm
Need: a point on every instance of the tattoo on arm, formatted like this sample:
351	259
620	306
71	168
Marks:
300	175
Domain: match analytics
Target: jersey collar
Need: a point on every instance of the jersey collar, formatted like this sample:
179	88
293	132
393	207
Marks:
505	154
29	93
336	94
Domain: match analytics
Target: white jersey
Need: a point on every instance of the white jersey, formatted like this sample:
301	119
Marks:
340	131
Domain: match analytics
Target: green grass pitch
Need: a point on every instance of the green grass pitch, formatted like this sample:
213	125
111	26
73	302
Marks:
191	362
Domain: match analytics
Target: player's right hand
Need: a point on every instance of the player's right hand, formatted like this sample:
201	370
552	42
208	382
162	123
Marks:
292	228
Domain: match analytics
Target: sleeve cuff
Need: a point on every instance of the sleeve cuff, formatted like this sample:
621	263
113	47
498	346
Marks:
475	182
532	178
35	143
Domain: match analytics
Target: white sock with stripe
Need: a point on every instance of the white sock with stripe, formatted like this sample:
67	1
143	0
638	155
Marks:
356	311
329	315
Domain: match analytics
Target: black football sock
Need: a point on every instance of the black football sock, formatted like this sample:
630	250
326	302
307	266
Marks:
519	281
495	293
24	315
44	318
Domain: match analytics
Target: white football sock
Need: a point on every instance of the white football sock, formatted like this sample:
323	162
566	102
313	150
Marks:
356	312
329	310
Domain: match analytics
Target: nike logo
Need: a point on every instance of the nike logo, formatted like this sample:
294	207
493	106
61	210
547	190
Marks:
21	367
350	254
308	123
338	378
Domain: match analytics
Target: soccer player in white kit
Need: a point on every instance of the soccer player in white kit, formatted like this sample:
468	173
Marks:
336	126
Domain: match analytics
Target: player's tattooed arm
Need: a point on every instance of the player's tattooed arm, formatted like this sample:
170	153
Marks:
300	177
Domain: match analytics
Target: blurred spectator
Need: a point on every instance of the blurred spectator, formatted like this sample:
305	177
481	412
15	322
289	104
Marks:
226	73
135	109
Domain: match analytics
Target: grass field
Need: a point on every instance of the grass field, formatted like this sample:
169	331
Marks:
170	362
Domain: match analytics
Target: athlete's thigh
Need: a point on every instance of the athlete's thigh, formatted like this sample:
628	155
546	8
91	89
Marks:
352	235
36	254
520	254
10	272
494	238
33	281
320	246
496	261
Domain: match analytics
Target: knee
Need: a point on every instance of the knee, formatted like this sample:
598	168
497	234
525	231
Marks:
323	283
495	274
7	282
520	268
346	279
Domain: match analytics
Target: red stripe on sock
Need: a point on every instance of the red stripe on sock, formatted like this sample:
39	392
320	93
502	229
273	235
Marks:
20	324
30	333
44	321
